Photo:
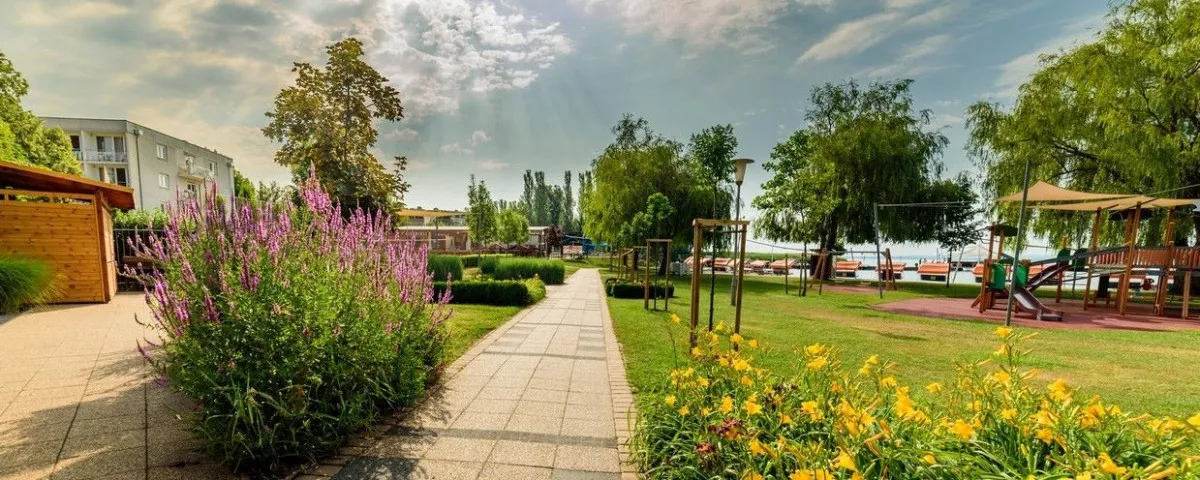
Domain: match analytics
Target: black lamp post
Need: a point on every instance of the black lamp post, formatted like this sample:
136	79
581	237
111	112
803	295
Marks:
739	175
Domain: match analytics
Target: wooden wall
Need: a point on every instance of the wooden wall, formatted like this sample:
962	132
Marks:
66	235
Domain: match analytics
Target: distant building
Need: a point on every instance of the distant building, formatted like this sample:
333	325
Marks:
422	217
159	167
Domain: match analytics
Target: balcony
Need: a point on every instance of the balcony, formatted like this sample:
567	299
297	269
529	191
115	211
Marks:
101	156
195	172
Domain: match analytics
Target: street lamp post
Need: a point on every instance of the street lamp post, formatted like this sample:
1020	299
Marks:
739	176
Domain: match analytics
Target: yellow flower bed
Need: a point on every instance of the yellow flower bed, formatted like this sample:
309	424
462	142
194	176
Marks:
721	417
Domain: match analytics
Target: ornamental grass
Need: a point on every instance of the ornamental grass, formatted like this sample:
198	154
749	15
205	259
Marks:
292	326
722	417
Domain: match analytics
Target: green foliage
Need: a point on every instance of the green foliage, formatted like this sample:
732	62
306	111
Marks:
326	123
140	218
481	221
566	218
275	194
23	138
494	292
723	416
637	290
512	228
445	266
1120	113
473	261
488	263
955	227
637	165
649	223
243	188
25	282
861	147
713	149
551	271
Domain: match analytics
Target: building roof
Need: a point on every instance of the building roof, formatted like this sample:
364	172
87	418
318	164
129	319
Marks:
27	177
421	212
136	129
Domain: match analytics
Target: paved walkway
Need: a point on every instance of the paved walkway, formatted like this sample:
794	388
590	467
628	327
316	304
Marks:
542	397
75	399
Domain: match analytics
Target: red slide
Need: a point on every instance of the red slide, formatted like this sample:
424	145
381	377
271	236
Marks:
1028	303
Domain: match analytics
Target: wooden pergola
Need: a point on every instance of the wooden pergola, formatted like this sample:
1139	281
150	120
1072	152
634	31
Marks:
699	226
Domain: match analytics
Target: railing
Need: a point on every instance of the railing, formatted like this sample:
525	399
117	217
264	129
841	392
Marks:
193	170
125	258
101	156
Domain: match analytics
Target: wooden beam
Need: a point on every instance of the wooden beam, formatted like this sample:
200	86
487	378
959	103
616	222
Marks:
1131	237
708	223
737	316
697	266
1087	289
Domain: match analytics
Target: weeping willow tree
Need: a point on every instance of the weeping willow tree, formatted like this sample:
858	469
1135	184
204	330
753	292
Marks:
862	147
1120	114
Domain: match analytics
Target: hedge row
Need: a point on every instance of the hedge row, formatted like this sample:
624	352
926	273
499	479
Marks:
553	272
473	261
445	265
494	292
636	290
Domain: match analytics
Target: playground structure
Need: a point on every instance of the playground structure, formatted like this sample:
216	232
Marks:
699	226
1163	262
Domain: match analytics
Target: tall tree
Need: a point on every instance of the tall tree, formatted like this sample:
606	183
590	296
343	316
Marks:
481	218
585	191
713	150
512	228
23	138
527	197
275	193
554	211
541	200
567	215
1118	114
243	188
326	123
861	147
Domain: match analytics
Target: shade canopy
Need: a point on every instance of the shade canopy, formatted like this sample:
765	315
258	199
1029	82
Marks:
1121	204
1046	192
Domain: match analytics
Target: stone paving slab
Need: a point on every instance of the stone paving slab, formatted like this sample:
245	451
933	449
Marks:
76	400
542	397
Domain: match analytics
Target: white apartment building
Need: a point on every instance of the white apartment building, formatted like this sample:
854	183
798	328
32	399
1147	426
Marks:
160	168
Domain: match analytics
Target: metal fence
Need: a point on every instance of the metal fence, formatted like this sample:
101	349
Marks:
122	238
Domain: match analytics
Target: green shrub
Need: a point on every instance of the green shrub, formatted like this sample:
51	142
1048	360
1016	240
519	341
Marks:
636	290
487	264
291	326
551	271
443	266
155	219
473	261
25	282
494	292
721	416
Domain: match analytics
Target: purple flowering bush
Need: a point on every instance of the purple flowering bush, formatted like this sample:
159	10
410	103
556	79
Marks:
292	326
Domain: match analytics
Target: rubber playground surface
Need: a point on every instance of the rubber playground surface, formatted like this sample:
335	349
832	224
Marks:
1137	316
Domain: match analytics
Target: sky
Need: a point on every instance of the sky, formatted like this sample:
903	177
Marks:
494	87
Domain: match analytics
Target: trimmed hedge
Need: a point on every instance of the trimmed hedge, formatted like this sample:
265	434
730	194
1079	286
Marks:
487	264
494	292
551	271
25	282
635	290
472	261
442	265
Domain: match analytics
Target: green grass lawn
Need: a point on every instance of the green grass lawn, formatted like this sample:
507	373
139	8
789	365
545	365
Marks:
470	323
1142	371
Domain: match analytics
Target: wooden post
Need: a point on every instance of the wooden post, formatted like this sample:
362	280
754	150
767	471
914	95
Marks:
646	287
667	283
697	239
982	297
891	272
819	273
1187	292
737	316
787	268
1087	289
1160	295
1132	230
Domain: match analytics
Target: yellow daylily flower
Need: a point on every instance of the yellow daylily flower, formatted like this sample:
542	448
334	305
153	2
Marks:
747	381
1107	465
930	459
817	363
934	387
674	318
1002	332
1045	435
784	419
726	404
684	411
963	429
669	400
846	462
752	407
1194	420
696	352
887	382
736	339
756	448
815	349
741	365
753	343
1008	413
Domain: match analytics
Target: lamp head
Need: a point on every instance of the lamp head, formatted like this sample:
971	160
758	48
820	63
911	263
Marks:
740	174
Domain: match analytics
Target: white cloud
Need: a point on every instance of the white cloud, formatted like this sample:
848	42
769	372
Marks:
456	148
701	24
478	137
1016	71
401	135
858	35
852	37
491	165
419	165
910	64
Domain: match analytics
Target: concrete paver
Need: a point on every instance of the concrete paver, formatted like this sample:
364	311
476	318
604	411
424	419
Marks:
534	399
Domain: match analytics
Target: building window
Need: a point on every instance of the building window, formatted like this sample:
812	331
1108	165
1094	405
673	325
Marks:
164	181
116	175
212	167
161	151
189	159
75	142
192	191
101	143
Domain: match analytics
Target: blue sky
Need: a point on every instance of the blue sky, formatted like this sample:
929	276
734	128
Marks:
496	87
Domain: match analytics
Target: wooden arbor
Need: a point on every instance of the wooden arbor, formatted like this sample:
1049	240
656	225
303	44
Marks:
63	220
699	225
649	288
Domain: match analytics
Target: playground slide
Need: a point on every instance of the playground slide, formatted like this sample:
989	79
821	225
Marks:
1047	273
1028	303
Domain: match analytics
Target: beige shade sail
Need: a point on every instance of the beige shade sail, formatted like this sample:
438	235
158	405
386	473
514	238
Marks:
1046	192
1121	204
